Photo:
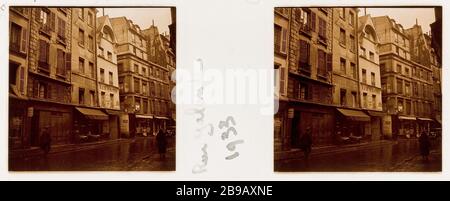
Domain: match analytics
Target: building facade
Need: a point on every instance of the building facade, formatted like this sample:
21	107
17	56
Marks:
369	77
305	82
171	66
19	26
108	76
49	75
159	78
134	78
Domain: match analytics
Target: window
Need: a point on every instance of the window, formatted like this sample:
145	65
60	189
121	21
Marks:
91	43
322	68
136	68
372	56
354	102
374	101
81	13
81	96
352	43
305	23
101	52
61	29
44	51
304	56
111	100
399	68
136	86
322	29
92	97
343	97
280	39
91	69
90	19
365	100
352	18
111	79
81	37
102	75
372	78
81	65
144	71
42	92
109	56
60	62
343	66
363	52
144	88
407	88
399	86
364	76
43	18
342	40
102	99
304	93
354	72
407	71
134	50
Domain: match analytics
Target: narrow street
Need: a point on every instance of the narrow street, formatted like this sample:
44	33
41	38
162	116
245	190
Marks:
400	156
139	154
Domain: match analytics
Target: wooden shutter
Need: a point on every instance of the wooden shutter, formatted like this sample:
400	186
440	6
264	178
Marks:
47	52
310	91
22	80
324	28
329	62
42	49
68	63
60	62
303	51
282	79
52	21
37	14
35	88
23	46
63	28
284	40
313	21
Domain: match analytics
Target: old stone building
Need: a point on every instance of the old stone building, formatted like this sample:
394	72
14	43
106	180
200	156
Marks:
159	78
107	79
350	119
134	76
171	65
49	74
369	77
88	119
307	85
19	31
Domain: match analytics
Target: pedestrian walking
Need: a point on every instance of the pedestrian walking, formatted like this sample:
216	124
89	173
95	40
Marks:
306	142
45	140
424	144
161	140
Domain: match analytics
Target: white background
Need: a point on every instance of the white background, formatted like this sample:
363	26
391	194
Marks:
223	34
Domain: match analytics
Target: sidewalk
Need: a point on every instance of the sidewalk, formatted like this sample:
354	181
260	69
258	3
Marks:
36	151
298	153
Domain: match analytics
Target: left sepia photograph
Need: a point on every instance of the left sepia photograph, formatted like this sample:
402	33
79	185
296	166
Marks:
90	89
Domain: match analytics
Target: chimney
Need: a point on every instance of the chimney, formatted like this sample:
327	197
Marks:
153	22
417	23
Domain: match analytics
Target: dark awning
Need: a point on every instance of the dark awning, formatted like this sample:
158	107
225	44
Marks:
113	112
376	113
92	113
354	115
406	118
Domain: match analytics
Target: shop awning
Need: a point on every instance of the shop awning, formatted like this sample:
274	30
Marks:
113	112
142	116
424	119
406	118
376	113
92	113
161	117
354	115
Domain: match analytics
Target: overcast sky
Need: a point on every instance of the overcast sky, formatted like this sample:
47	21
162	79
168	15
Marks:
405	16
143	16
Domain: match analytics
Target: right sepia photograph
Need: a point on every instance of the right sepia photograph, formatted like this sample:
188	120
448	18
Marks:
358	89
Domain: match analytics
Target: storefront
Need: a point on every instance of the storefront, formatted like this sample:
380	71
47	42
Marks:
88	124
160	123
18	119
406	126
424	124
351	123
144	125
112	126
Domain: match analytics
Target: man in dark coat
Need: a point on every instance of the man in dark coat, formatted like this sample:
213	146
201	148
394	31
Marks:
45	140
306	142
162	143
424	144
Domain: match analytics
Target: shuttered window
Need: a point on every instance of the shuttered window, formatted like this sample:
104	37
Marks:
44	49
60	64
